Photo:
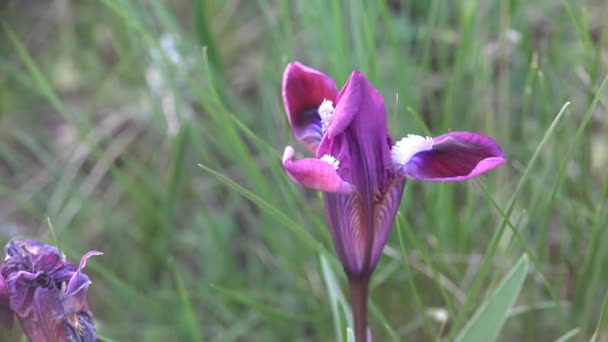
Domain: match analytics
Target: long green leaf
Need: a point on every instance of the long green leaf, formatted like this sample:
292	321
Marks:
488	320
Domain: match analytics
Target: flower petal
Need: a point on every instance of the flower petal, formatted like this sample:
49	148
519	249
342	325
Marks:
345	225
357	135
304	89
348	103
359	246
79	280
454	157
76	290
46	320
19	288
314	173
385	209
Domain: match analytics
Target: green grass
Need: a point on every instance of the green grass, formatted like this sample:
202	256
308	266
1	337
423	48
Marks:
171	164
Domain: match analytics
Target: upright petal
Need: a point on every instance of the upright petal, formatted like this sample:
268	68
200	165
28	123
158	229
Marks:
314	173
304	89
357	135
454	157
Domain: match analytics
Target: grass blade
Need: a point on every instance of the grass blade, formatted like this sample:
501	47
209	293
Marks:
488	320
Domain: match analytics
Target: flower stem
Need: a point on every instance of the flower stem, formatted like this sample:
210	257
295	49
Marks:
358	297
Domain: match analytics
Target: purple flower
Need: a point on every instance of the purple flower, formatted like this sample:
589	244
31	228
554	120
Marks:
47	293
361	171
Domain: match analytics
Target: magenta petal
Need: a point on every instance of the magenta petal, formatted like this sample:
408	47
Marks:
304	89
314	173
454	157
349	103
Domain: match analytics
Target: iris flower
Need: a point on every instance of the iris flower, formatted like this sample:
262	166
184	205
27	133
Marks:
361	170
47	293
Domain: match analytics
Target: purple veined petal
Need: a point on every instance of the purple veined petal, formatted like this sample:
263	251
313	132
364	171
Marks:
385	209
304	89
6	314
454	157
348	234
314	173
47	320
40	320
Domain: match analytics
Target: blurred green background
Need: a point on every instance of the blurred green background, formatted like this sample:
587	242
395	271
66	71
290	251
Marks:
107	108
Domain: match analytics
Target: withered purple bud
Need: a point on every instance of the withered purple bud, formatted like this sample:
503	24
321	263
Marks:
47	293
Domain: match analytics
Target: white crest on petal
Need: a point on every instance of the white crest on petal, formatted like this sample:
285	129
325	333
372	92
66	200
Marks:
326	109
407	147
331	160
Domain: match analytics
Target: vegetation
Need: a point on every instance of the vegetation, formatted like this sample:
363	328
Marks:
108	107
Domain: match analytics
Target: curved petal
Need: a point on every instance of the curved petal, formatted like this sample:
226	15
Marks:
314	173
348	103
454	157
304	89
78	279
75	298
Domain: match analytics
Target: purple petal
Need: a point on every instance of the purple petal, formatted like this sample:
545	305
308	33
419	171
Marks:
19	288
304	89
80	280
314	173
357	136
75	298
454	157
350	241
46	319
40	320
348	103
6	314
385	210
46	293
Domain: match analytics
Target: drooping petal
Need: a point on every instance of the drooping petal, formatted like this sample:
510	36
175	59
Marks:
314	173
304	89
454	157
6	314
